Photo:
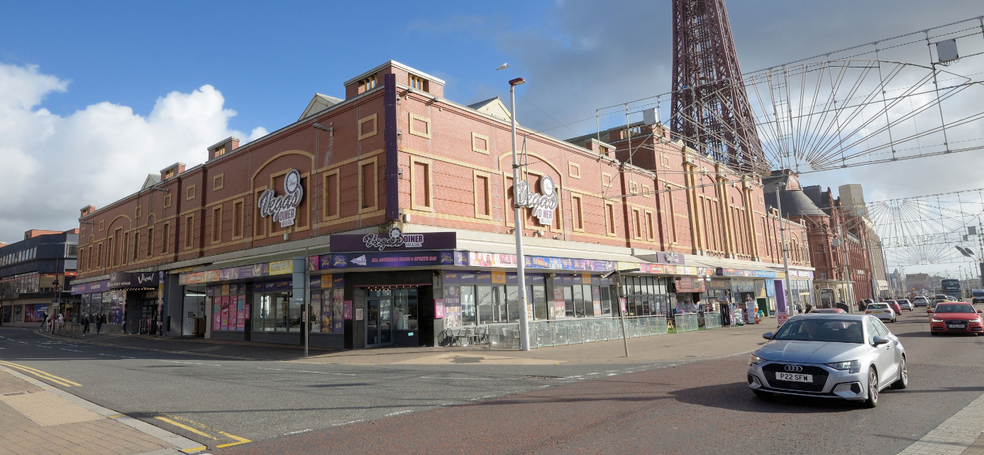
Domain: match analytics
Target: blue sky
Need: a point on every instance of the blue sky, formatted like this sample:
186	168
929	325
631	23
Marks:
99	94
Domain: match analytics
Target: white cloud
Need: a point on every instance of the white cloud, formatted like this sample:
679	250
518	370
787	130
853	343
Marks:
54	165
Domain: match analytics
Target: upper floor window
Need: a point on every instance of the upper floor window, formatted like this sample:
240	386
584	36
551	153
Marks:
418	83
367	84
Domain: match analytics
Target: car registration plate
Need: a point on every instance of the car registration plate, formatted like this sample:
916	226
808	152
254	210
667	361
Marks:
956	326
794	377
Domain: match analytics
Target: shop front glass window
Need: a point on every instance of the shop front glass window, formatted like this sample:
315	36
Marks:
539	303
468	313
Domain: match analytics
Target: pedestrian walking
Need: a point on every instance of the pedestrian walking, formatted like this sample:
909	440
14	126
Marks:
45	319
99	322
60	322
85	324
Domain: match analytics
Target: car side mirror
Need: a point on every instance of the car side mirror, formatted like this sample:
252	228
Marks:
928	311
980	311
878	341
767	335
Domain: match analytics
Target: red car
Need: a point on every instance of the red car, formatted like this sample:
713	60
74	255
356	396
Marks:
958	317
894	306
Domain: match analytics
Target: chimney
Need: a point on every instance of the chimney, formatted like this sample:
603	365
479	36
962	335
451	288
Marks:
87	210
222	147
172	171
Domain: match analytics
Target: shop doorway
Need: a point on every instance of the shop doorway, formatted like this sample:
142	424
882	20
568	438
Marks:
379	320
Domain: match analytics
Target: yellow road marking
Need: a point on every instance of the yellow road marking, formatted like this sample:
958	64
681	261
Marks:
194	449
201	426
237	438
115	416
41	374
186	427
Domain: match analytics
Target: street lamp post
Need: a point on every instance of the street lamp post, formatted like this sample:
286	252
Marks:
524	317
782	237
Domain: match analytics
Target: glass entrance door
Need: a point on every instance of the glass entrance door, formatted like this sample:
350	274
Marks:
379	321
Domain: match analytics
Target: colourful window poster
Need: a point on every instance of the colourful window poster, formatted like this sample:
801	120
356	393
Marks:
233	314
438	308
559	306
216	316
325	298
316	311
241	312
347	309
337	308
224	305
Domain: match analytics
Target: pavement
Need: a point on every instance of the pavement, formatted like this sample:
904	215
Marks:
39	419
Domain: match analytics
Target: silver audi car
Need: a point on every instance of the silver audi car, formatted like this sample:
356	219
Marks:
847	356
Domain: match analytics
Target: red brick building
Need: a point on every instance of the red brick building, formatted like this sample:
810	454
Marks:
838	241
393	206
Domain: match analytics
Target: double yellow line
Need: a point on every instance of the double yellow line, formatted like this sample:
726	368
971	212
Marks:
41	374
201	430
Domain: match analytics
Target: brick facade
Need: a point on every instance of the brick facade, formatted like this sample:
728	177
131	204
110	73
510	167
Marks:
401	155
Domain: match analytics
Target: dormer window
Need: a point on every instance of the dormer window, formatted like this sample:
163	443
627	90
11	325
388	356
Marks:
218	152
418	83
367	84
168	174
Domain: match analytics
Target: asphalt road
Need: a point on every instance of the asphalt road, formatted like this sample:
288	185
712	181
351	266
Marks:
702	406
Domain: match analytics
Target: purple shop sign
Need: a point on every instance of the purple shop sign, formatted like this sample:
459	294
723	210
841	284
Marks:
395	240
405	259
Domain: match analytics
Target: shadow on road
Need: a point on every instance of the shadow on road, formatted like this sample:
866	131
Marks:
738	397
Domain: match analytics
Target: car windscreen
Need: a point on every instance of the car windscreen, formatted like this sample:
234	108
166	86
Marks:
955	309
878	306
821	330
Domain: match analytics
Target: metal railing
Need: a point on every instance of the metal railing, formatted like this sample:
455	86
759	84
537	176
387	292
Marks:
574	331
686	322
712	320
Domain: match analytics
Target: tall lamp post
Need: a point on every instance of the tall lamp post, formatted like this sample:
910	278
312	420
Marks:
524	317
785	260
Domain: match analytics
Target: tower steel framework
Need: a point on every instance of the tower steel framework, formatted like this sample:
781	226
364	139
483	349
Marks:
709	105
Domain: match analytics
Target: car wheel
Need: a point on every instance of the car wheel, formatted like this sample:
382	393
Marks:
933	333
763	394
872	399
903	380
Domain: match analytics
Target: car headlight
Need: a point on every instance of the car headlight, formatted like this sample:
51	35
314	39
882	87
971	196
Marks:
851	366
975	320
755	360
936	319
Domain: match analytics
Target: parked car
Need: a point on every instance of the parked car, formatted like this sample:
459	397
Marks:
955	317
905	304
881	311
845	356
894	305
920	301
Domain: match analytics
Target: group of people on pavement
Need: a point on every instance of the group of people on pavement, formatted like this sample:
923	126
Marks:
98	320
51	323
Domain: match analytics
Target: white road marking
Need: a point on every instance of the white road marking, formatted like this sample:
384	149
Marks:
70	350
407	411
191	363
460	379
307	371
347	423
297	432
